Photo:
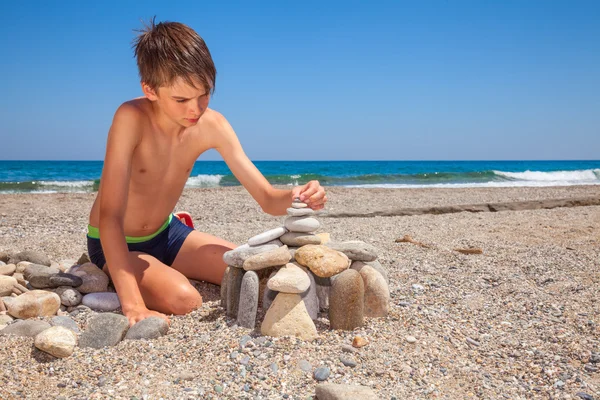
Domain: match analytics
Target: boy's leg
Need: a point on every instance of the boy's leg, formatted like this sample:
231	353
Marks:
201	257
163	288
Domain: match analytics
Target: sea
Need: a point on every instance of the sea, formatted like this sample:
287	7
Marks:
84	176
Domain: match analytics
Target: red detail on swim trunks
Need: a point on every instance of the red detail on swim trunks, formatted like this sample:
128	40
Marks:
186	218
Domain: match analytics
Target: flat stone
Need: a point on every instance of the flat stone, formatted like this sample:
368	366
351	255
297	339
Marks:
288	316
37	269
346	301
248	305
299	212
377	293
31	256
35	303
94	279
28	328
148	328
57	341
273	258
65	322
68	296
7	269
299	204
355	250
290	279
335	391
301	224
106	329
267	236
101	301
237	256
299	239
43	281
322	261
234	286
7	283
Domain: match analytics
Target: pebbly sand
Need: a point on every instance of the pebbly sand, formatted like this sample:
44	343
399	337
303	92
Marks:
519	321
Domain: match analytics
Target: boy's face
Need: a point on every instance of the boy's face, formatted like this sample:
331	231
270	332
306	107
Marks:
181	102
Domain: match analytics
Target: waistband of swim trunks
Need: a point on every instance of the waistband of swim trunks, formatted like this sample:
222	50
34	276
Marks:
94	233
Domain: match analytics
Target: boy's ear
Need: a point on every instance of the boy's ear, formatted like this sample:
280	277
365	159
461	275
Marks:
149	92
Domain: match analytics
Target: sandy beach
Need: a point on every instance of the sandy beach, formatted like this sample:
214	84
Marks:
519	321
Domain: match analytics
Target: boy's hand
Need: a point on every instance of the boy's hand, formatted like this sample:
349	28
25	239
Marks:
313	194
136	315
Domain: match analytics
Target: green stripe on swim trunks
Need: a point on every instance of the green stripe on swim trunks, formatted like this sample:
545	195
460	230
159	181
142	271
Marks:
94	233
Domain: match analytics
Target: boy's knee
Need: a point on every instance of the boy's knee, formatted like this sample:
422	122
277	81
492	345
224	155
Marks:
185	299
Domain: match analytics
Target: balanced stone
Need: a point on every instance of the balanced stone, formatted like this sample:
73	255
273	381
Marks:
7	269
379	268
290	279
377	293
42	280
356	250
94	279
57	341
299	212
273	258
29	328
7	283
248	305
322	260
101	301
35	303
287	316
269	295
234	285
299	239
149	328
323	287
237	256
68	296
335	391
346	301
299	204
65	322
266	236
310	299
106	329
301	224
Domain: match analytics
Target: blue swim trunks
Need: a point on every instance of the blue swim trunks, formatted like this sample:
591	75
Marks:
164	244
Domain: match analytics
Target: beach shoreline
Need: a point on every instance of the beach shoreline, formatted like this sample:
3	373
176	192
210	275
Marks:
529	301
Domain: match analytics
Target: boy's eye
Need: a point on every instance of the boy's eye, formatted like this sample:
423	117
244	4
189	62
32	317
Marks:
181	101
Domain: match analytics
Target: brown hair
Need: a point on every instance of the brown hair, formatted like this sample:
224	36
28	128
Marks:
168	50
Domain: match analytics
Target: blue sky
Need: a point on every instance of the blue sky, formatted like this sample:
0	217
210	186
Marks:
420	80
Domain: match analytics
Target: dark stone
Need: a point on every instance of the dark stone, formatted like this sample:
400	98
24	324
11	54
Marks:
65	322
31	256
38	269
347	361
44	280
29	328
105	329
149	328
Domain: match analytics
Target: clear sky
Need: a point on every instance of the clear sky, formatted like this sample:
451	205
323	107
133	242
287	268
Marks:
320	80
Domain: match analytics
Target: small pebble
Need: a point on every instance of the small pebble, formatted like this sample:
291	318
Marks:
411	339
473	342
348	362
321	374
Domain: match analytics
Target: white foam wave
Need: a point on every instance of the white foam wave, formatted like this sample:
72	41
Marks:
203	181
579	176
475	185
72	184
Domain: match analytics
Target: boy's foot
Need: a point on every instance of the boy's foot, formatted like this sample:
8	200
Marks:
186	218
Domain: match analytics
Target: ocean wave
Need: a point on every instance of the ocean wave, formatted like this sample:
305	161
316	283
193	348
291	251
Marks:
586	175
203	181
74	184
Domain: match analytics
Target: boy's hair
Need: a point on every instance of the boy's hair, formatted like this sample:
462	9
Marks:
168	50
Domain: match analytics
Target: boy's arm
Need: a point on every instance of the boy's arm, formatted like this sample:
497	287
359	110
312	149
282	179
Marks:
123	137
273	201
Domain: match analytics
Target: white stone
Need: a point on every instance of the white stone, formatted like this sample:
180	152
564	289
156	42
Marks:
102	301
299	204
267	236
290	279
57	341
35	303
299	212
301	224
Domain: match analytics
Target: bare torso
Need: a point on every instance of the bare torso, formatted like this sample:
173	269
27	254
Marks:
160	167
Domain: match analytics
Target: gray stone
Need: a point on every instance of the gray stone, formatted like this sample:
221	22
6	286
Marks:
248	304
105	301
267	236
68	296
299	204
346	301
7	269
43	280
269	295
321	374
299	212
149	328
106	329
298	239
94	279
65	322
334	391
224	287
237	256
37	269
310	298
356	250
323	288
29	328
301	224
304	366
234	285
347	361
32	256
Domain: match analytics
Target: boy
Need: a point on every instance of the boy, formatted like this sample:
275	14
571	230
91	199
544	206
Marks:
152	146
